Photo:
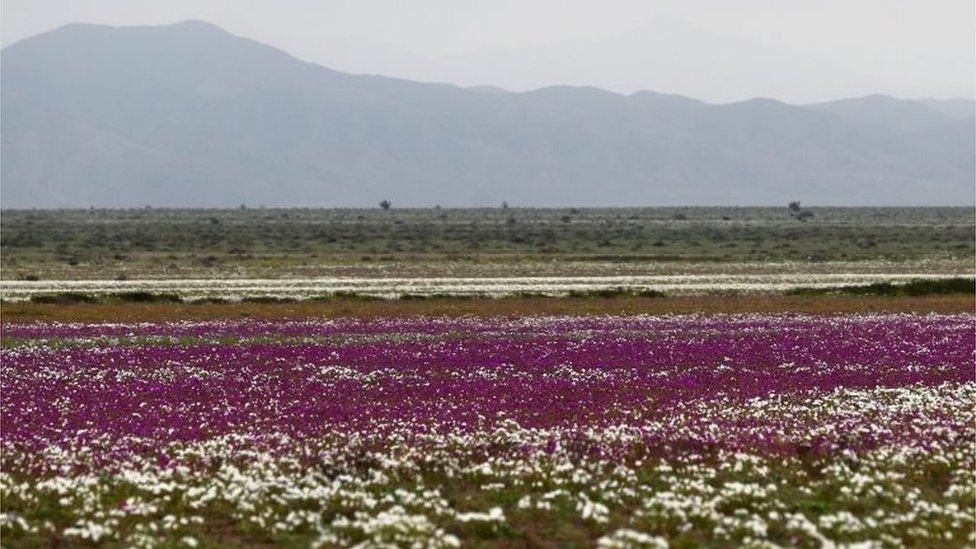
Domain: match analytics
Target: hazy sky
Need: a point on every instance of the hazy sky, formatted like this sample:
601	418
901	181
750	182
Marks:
717	50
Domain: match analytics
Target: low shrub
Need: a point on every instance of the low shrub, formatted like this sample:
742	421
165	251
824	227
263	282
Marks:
937	286
616	292
62	298
143	297
268	299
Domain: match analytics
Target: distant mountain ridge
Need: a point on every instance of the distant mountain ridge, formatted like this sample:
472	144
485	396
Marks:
189	115
887	111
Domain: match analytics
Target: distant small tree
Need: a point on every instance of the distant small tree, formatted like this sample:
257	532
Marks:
504	205
385	204
795	207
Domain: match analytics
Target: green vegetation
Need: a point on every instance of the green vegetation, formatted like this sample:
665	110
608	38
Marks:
63	298
68	298
616	292
72	298
64	244
914	288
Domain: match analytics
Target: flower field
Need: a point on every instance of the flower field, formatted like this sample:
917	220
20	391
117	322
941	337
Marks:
637	431
392	288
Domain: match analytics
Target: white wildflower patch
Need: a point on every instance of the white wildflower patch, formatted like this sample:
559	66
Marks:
393	287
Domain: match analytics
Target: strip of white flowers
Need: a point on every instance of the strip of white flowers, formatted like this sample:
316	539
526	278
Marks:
391	288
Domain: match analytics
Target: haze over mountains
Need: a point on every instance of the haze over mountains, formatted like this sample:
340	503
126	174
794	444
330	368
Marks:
189	115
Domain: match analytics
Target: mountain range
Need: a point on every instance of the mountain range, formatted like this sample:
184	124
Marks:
190	115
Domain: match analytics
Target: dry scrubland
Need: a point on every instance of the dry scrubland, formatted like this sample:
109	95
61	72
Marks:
268	243
837	415
501	252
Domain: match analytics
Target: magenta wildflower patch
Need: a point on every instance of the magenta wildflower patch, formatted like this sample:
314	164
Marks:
520	409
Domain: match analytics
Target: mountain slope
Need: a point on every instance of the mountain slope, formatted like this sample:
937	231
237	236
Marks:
886	111
953	108
188	114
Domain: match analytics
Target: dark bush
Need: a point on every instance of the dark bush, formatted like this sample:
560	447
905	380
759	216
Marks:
268	299
64	298
616	292
144	297
344	295
211	300
939	286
